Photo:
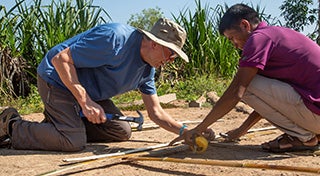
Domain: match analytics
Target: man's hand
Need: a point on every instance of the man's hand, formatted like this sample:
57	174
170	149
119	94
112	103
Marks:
236	133
209	134
232	135
94	113
198	141
187	136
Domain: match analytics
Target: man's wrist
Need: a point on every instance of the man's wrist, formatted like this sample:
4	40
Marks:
184	126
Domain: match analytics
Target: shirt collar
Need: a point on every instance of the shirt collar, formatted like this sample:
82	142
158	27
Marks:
261	25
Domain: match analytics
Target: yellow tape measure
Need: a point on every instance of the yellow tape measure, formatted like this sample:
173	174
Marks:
201	145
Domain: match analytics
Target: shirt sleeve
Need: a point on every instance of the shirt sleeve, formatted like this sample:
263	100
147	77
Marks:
149	87
256	51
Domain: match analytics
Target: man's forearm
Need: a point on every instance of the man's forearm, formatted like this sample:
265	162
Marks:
64	66
252	119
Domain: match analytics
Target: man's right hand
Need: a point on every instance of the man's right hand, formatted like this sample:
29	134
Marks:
94	113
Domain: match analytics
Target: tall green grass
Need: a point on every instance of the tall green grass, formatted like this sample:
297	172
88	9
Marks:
12	67
28	31
209	52
61	20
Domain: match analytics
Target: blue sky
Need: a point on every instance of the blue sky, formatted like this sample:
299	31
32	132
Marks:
121	10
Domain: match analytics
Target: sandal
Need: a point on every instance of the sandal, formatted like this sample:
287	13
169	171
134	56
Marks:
286	143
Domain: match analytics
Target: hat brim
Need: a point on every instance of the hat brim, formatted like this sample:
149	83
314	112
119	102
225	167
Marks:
166	44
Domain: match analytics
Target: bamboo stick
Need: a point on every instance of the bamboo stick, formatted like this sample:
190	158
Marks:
150	126
262	129
130	153
94	157
161	152
228	164
255	130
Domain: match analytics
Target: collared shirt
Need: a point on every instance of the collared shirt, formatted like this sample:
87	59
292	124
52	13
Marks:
289	56
107	61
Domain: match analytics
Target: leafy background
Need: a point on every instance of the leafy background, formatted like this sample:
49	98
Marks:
27	32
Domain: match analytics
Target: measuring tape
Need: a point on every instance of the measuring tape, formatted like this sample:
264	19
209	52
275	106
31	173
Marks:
200	145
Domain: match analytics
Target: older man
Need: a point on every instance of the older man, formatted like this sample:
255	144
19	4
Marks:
83	73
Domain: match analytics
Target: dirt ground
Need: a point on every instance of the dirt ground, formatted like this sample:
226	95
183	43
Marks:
247	150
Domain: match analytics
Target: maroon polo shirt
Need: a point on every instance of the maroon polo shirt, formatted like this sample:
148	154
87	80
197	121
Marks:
289	56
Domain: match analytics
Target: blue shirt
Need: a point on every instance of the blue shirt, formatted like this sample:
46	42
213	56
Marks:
107	60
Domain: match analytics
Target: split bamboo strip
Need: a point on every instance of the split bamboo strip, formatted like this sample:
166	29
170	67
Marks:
150	126
94	157
228	164
130	153
255	130
160	152
262	129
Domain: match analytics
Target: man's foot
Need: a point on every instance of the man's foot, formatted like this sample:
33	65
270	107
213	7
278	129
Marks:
286	143
7	117
5	142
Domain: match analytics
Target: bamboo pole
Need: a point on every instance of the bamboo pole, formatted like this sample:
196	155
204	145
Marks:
262	129
130	153
94	157
108	155
150	126
255	130
137	150
228	164
160	152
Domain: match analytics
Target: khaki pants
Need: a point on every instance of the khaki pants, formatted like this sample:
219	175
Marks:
282	106
63	129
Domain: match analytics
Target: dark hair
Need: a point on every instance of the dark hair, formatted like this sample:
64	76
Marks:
231	19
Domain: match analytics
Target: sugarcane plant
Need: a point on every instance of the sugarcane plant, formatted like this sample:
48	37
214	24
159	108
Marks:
209	52
12	65
28	31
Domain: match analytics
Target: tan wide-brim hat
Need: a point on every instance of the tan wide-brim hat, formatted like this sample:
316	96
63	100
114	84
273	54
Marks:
169	34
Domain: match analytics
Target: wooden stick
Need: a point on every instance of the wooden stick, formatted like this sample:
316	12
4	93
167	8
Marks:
262	129
160	152
94	157
255	130
149	126
228	164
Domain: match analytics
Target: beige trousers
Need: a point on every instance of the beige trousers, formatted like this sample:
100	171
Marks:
282	106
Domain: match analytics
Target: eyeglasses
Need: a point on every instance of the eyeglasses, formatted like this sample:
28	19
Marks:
173	54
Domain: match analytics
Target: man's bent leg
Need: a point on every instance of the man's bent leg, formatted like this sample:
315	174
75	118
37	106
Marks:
280	104
63	130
